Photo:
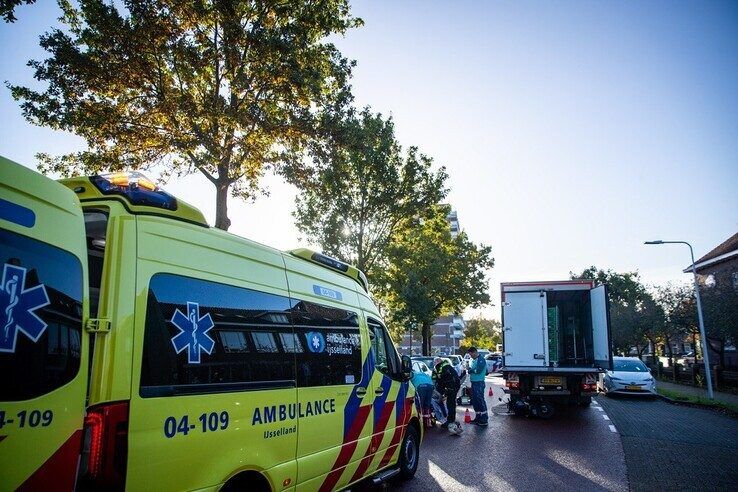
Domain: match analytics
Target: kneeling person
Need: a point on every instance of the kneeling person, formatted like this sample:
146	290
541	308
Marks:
448	383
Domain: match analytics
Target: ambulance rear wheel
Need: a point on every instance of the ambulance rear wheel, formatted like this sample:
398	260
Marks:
409	453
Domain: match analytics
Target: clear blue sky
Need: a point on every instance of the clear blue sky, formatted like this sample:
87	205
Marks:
572	131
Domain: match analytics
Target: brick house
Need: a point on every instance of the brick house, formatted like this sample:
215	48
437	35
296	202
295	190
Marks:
717	274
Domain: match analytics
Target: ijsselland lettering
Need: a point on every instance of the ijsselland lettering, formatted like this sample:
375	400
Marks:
280	413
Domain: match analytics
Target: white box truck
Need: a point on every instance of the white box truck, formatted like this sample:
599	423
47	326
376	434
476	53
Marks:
556	342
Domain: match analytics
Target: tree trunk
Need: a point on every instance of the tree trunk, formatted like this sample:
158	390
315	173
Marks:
427	335
652	348
670	352
221	206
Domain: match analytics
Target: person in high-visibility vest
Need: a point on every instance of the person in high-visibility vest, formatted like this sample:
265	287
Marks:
448	383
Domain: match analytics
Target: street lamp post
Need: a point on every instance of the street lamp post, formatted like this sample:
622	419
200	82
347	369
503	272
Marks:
705	351
410	330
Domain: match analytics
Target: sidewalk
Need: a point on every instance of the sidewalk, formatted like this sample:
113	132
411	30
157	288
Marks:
695	391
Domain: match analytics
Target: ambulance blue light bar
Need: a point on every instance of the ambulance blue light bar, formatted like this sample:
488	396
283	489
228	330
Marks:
136	188
330	262
333	264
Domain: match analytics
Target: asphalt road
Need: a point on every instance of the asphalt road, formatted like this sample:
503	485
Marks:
574	451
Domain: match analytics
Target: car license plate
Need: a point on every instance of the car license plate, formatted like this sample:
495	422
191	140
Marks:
632	387
551	380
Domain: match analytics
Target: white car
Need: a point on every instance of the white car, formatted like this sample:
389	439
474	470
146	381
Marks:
420	366
629	375
458	365
494	363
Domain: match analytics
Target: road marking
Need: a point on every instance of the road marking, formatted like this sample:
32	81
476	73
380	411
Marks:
612	428
606	417
600	409
442	477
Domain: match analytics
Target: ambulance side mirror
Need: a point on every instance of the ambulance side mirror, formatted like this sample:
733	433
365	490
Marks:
407	367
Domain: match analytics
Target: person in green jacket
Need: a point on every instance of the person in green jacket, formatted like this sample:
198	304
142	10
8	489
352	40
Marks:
477	371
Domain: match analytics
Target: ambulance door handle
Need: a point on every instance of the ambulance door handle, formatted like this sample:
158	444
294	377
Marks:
378	391
360	391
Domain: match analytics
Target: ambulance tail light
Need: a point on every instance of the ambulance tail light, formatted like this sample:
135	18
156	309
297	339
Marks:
136	188
105	446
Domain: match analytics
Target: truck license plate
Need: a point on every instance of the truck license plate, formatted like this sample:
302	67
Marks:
551	380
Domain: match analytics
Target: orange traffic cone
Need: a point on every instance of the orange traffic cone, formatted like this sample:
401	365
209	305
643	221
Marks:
467	416
490	391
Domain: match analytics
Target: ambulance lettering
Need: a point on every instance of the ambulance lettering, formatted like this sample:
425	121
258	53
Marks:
280	413
17	306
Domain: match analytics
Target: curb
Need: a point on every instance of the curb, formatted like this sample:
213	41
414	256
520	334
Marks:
714	408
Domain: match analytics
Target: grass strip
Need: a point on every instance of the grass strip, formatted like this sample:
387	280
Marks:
681	397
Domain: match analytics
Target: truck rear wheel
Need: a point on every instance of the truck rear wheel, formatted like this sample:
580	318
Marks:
585	401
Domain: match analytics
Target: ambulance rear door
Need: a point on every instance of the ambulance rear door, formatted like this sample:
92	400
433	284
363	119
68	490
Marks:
43	346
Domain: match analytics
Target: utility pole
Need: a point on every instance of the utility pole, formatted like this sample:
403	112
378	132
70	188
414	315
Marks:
705	349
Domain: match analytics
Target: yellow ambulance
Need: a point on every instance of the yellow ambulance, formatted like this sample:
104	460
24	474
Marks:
141	349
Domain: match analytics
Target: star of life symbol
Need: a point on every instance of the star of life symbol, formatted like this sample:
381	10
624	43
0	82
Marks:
17	306
316	342
193	332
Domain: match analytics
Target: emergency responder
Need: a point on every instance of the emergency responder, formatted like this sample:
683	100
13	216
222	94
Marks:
477	372
447	383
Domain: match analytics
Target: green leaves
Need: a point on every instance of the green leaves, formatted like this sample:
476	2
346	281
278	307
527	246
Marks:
634	314
482	333
7	8
361	188
227	88
430	273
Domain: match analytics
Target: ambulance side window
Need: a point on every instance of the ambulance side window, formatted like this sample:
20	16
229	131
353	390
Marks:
332	345
385	355
379	346
208	337
96	225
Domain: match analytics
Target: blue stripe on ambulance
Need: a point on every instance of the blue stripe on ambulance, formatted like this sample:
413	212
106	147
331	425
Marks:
354	402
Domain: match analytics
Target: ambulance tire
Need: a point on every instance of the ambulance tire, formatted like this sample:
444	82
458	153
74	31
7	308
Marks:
409	453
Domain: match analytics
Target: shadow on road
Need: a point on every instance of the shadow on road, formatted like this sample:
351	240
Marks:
574	451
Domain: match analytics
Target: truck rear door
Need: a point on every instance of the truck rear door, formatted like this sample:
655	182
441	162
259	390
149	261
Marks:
601	326
525	329
43	347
